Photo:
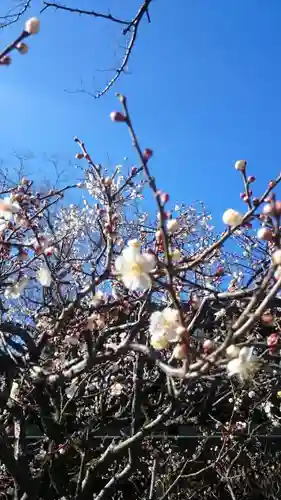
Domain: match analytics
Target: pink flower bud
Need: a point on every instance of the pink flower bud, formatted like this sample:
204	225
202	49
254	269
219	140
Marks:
251	179
79	156
267	319
164	197
49	251
219	271
265	234
272	341
116	116
134	170
208	346
6	61
147	154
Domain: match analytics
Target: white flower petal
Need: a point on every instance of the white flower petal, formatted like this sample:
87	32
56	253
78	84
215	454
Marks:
234	366
44	276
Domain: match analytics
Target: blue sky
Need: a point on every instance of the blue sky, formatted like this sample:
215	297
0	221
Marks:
204	89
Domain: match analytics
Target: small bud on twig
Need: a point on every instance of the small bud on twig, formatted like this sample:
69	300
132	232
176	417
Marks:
116	116
32	26
22	48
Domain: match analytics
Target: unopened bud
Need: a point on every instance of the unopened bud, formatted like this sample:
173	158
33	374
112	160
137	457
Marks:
147	154
267	319
49	251
22	48
265	234
107	181
79	156
32	26
164	197
219	271
6	61
240	165
172	226
272	340
208	346
251	179
116	116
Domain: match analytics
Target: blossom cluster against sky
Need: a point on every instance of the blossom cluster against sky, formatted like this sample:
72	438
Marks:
204	91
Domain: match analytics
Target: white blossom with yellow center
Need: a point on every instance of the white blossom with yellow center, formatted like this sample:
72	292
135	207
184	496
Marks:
134	267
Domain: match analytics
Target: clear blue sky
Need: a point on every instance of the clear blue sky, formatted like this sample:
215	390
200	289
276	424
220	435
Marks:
204	90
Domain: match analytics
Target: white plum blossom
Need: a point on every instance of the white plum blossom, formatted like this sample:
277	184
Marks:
15	291
8	209
164	326
244	366
172	226
44	276
232	217
134	267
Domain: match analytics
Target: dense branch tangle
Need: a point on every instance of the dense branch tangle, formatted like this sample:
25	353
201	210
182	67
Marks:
85	378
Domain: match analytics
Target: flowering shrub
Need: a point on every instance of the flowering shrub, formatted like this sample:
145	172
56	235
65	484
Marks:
121	333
